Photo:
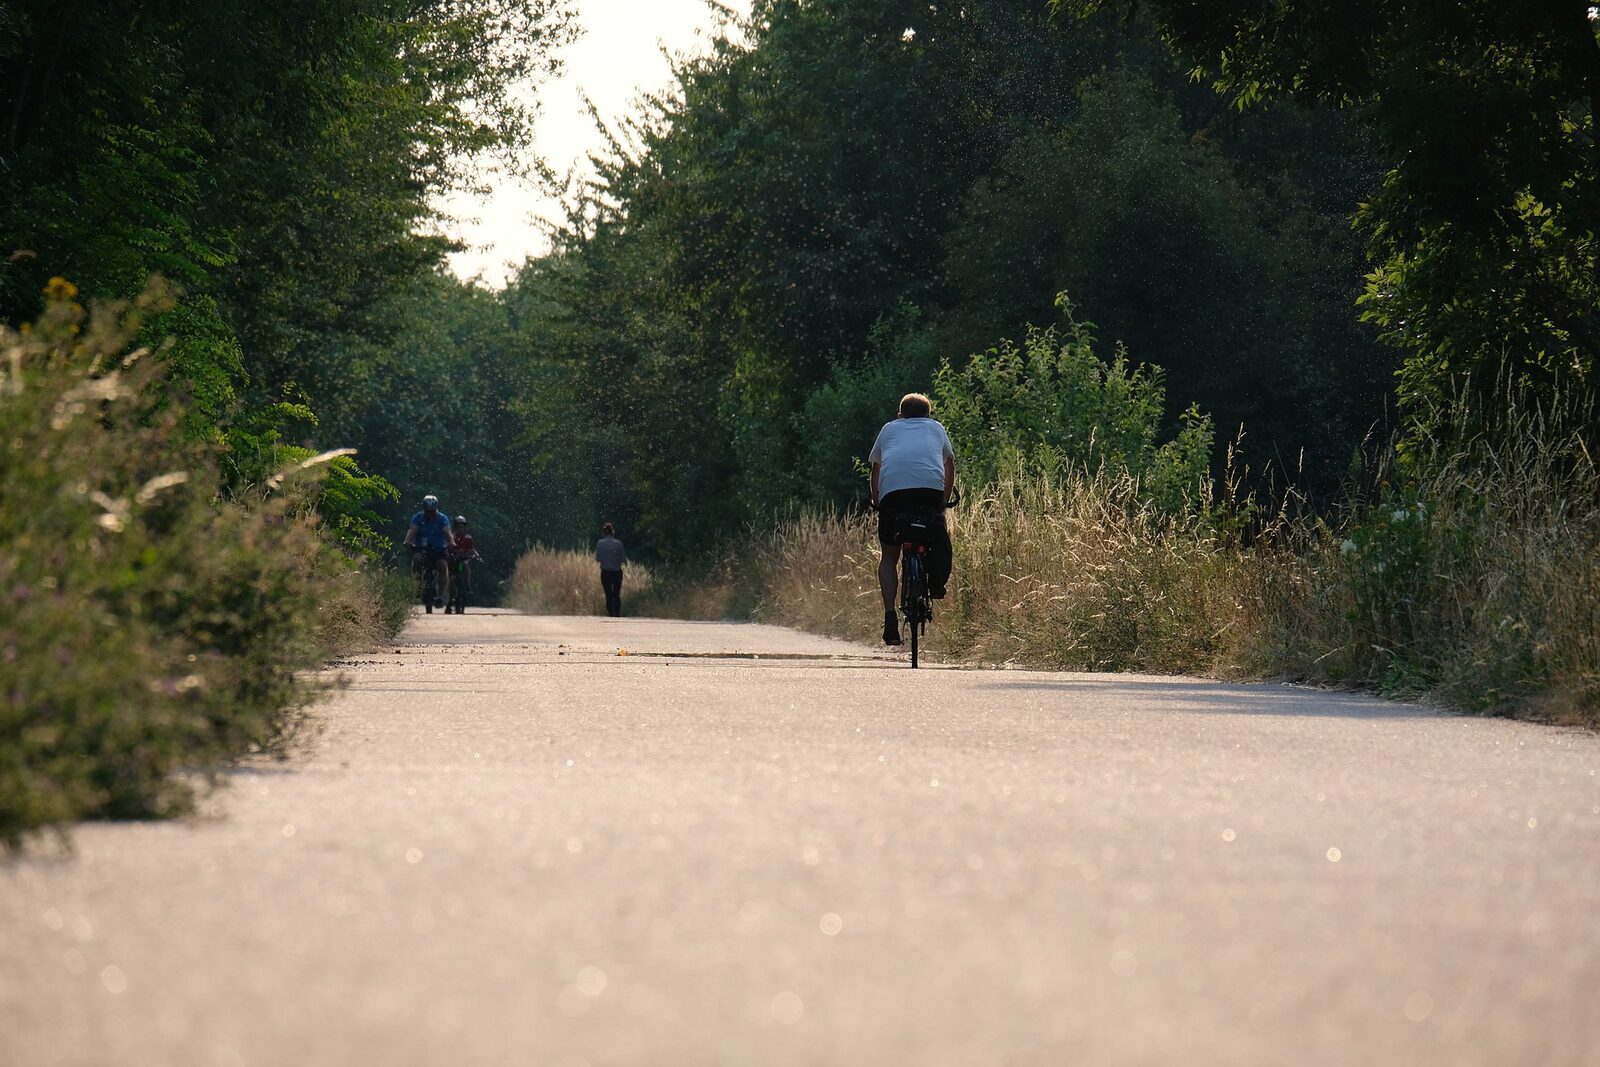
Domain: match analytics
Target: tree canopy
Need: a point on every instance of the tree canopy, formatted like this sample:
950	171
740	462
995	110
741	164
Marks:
280	164
846	193
836	202
1483	231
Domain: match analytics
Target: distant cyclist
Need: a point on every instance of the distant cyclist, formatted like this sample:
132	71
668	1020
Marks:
460	555
429	538
464	549
913	470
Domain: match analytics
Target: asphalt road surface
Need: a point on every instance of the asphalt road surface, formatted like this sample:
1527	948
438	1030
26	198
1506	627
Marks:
514	844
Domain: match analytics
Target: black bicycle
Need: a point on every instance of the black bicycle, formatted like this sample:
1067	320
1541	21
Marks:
916	531
430	577
460	586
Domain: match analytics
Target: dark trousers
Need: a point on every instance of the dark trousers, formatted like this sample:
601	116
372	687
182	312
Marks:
611	581
929	502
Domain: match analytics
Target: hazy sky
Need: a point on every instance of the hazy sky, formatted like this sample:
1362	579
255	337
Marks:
618	55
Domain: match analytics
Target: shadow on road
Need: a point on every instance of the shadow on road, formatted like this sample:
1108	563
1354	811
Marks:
1260	699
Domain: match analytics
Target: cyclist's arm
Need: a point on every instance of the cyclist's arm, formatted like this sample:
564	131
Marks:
949	476
411	536
876	467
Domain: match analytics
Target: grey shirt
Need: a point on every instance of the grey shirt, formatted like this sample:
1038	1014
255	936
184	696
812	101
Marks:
610	554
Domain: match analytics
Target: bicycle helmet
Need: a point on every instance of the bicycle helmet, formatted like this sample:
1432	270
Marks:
459	520
430	501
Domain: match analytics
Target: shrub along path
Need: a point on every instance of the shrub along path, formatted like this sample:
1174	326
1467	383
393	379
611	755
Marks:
513	844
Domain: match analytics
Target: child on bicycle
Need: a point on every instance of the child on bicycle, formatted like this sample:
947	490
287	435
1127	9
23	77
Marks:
462	553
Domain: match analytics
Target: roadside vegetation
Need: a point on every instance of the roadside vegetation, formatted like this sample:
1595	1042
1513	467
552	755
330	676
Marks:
1474	583
1475	586
1367	457
1466	570
216	223
554	581
157	621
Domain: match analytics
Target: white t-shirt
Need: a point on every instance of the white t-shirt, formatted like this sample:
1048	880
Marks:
912	453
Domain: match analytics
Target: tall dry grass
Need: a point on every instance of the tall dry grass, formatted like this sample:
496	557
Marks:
552	581
362	607
1478	586
1079	576
1076	576
1472	577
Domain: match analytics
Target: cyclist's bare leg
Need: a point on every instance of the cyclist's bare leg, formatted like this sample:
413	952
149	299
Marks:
888	576
443	584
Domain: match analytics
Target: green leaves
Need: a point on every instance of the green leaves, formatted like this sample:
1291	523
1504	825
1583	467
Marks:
1052	407
146	626
277	162
1484	233
816	213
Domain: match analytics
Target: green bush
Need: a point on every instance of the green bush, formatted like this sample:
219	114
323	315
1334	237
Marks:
1052	407
842	417
343	496
147	625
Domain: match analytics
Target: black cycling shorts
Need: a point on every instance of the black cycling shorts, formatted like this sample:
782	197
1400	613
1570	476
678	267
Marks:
902	500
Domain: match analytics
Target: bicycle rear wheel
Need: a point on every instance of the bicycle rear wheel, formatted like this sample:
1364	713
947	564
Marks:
914	628
915	591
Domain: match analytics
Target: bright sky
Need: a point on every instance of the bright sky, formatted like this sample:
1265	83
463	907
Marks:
618	56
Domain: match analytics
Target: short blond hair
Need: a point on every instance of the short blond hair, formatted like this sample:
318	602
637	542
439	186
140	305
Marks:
915	406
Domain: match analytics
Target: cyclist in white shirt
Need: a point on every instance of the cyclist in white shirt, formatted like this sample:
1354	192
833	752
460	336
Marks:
913	469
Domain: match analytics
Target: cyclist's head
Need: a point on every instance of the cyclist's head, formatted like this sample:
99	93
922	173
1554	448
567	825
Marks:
915	406
459	520
430	503
608	529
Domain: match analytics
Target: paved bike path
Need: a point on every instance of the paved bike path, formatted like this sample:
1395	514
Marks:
590	841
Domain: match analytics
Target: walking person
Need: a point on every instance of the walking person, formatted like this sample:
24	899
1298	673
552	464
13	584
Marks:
609	553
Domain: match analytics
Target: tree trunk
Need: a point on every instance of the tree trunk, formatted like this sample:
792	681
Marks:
26	87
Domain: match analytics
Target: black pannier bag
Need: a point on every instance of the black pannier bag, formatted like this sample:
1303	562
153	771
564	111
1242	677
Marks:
927	528
917	527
